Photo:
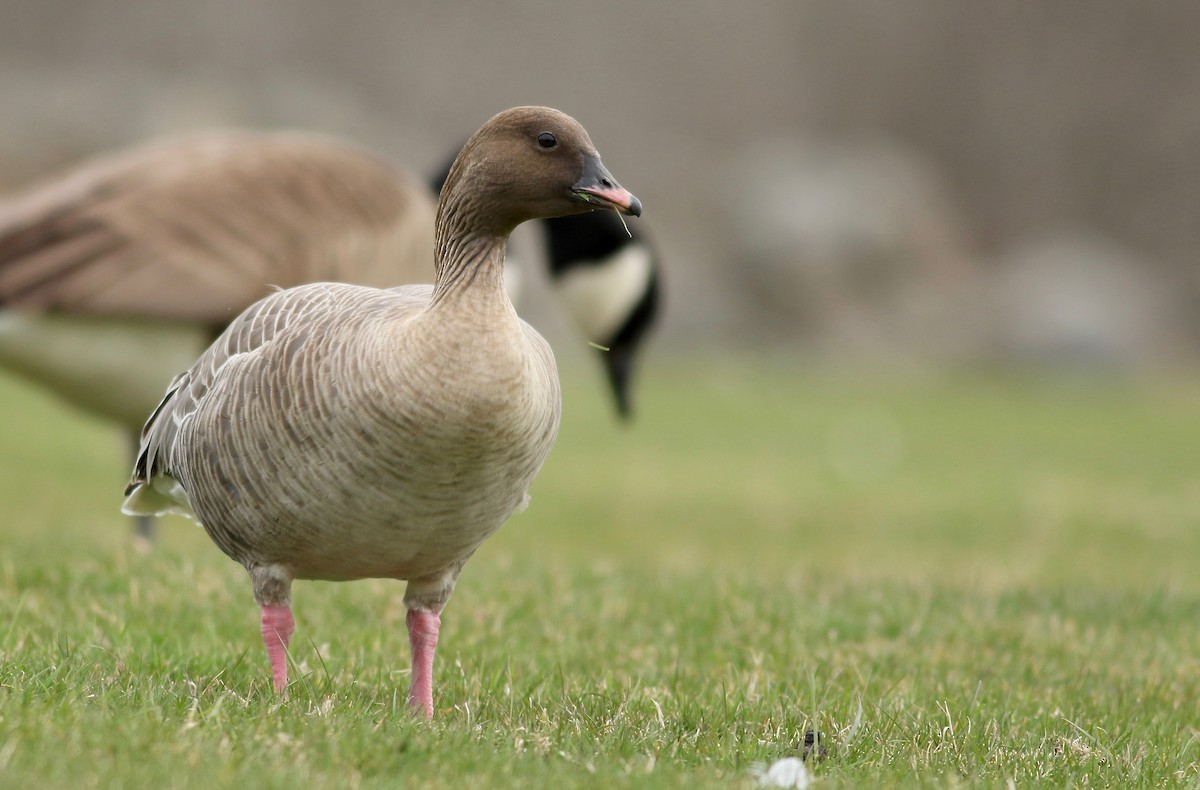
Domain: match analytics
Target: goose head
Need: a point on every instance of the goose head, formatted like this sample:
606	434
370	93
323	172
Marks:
527	163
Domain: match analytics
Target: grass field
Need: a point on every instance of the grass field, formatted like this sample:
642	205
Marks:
969	581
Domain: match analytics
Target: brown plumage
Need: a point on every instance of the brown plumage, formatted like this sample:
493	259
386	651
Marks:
196	229
341	432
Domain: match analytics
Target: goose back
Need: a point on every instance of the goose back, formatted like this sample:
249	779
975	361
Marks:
197	229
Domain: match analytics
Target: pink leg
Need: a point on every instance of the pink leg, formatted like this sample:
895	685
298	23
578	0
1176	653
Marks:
277	628
423	628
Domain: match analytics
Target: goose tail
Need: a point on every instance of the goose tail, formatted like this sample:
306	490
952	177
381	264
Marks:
157	496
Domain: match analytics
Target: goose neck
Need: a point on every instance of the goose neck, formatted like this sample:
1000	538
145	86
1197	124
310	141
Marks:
470	238
469	263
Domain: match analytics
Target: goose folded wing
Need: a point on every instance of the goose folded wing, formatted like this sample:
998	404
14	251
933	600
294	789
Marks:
276	320
197	229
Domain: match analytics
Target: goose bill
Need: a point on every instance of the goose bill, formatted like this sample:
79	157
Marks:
621	199
599	188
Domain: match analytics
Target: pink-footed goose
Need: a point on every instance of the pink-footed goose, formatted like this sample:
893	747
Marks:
341	432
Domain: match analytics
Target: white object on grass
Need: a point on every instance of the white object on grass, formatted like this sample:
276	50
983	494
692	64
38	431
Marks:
788	772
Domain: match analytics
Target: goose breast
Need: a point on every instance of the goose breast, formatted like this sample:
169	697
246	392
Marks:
418	457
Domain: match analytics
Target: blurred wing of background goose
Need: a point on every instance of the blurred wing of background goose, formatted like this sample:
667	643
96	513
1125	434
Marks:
115	276
341	432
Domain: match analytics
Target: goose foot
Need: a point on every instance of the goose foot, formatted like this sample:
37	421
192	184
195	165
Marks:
277	628
423	628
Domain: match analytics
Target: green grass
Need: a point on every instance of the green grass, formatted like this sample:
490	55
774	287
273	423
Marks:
959	581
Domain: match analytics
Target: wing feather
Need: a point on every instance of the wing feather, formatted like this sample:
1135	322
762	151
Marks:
197	229
266	327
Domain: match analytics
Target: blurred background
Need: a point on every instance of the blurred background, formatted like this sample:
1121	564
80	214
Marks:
900	183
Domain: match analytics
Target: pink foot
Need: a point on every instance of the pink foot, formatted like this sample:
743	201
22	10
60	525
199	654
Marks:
277	628
423	628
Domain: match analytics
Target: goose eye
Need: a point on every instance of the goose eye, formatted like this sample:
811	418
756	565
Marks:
547	140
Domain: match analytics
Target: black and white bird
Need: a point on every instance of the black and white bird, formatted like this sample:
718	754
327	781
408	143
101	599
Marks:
606	272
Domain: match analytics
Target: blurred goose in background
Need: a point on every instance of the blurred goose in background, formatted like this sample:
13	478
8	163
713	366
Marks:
341	432
114	277
606	272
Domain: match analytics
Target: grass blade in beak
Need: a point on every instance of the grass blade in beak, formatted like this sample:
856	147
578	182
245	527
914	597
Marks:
617	211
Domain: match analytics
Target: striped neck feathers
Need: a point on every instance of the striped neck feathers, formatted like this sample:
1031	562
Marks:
469	250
